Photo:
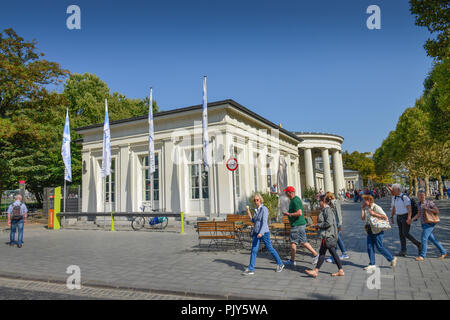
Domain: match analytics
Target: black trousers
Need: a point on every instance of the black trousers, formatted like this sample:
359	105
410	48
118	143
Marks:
322	252
403	231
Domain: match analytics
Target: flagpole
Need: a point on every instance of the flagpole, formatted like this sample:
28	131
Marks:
151	154
65	195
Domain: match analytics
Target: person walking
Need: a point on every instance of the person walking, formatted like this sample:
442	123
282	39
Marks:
298	227
355	195
401	206
329	235
375	236
336	205
17	217
427	228
261	233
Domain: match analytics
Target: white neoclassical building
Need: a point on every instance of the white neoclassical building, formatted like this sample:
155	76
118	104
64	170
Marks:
180	182
317	170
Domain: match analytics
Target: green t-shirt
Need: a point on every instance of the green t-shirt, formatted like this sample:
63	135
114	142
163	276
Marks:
294	205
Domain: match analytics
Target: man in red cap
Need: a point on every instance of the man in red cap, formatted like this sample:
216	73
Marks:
298	226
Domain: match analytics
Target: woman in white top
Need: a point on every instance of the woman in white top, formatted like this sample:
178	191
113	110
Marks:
374	237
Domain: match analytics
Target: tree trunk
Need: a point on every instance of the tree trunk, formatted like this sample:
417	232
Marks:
410	189
415	185
427	186
440	186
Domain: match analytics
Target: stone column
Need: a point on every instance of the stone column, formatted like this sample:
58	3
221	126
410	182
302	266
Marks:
341	171
326	171
309	173
336	171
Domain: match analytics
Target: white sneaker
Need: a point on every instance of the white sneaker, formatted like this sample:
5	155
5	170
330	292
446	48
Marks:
394	262
247	272
315	259
370	267
280	268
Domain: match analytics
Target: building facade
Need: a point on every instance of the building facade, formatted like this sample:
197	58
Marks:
181	182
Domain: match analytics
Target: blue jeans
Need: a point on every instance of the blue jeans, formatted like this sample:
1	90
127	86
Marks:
341	244
255	246
14	225
427	233
376	241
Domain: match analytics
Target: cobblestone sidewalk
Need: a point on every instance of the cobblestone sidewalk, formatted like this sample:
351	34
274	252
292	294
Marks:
172	264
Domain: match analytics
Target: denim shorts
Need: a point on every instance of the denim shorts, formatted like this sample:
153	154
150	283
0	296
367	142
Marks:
298	234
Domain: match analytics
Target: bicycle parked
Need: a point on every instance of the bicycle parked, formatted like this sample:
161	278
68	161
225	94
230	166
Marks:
149	222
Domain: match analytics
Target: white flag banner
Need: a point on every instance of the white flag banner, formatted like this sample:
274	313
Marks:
205	128
151	135
106	158
65	150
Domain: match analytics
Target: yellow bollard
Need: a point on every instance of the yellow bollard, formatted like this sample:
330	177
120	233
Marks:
57	209
112	221
182	222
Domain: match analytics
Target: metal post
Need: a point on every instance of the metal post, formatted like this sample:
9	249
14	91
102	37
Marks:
234	194
104	201
65	195
151	192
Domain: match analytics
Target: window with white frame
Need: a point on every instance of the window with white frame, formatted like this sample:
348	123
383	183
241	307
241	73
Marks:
146	178
110	184
198	176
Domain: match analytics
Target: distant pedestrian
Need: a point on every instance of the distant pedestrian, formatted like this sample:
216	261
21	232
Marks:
355	195
273	189
336	205
427	228
401	206
17	217
261	232
329	235
297	221
374	236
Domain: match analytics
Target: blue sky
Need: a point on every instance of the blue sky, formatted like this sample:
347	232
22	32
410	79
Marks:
311	65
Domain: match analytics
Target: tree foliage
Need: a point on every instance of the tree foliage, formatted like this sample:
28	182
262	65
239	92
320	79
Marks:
32	116
420	146
435	15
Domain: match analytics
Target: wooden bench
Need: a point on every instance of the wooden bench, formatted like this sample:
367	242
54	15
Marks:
244	227
217	232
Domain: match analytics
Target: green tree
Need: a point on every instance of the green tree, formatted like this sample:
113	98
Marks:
435	15
436	100
24	74
32	117
25	104
360	162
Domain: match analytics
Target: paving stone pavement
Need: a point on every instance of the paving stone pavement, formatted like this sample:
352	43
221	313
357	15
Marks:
18	289
168	263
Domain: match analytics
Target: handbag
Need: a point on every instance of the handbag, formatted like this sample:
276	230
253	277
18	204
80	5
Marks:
377	225
431	217
331	242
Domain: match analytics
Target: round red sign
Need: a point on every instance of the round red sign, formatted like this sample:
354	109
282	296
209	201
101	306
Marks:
232	164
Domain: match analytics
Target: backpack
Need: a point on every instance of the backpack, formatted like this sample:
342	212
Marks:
414	208
16	212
